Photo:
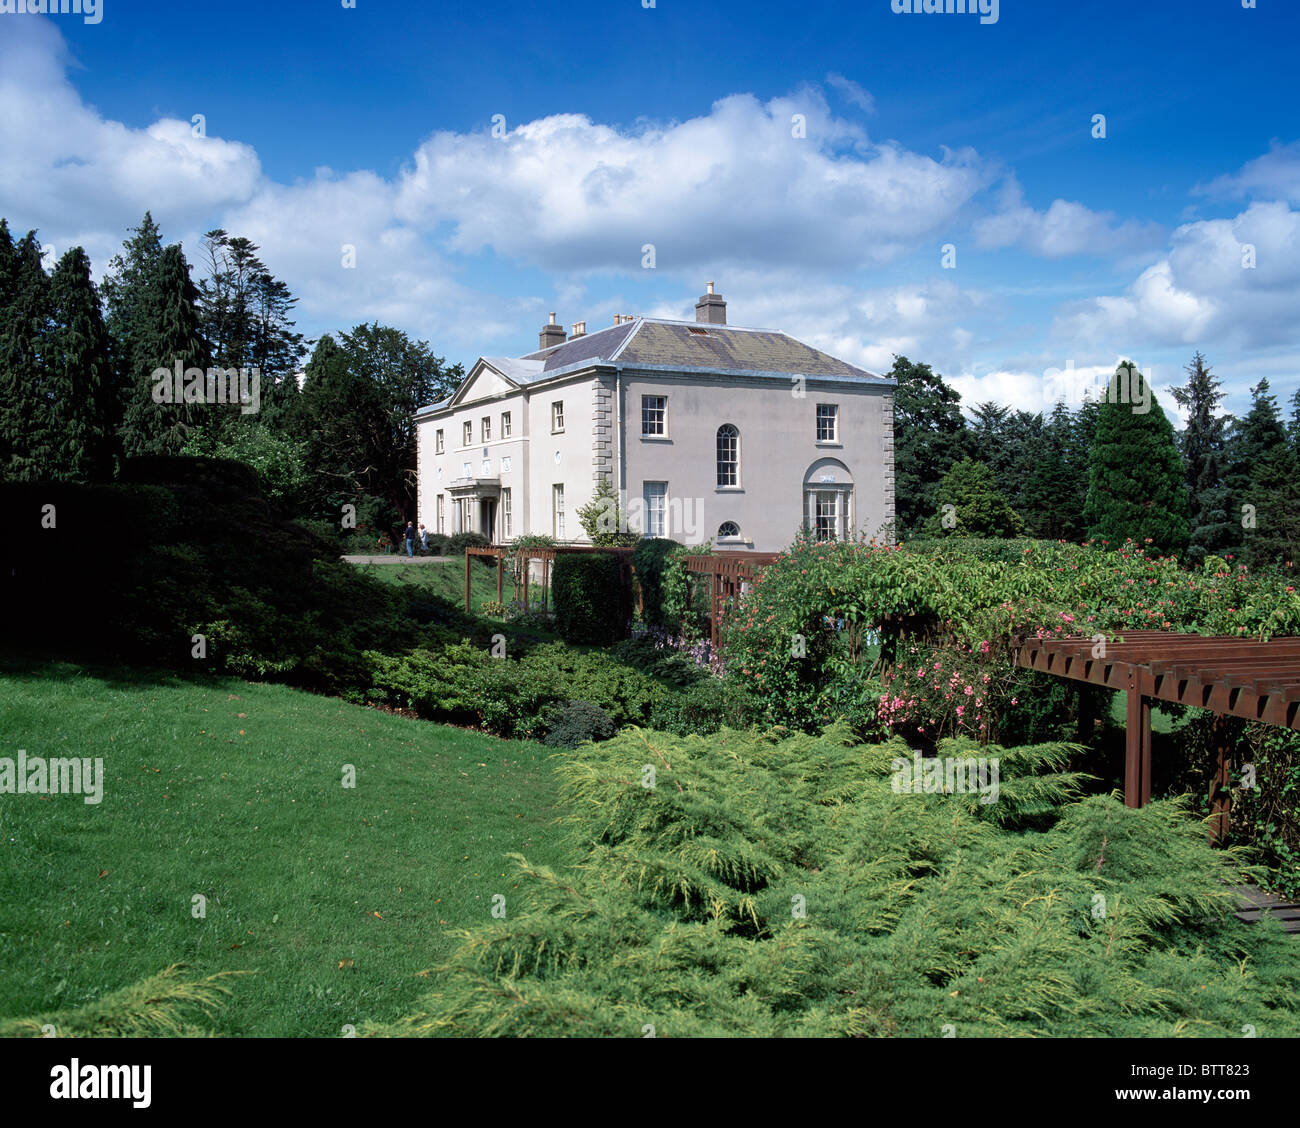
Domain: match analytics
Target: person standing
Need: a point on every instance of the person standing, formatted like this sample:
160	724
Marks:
410	538
424	538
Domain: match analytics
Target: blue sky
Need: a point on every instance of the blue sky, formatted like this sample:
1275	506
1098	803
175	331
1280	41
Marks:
675	126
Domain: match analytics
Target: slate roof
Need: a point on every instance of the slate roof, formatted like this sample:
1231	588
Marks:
655	343
658	344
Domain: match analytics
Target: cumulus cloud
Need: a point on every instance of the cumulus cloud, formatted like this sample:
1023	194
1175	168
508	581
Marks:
732	187
69	171
1065	229
1274	176
1226	279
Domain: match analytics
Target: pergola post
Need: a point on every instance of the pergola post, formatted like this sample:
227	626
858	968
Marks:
501	575
1221	784
467	581
1137	747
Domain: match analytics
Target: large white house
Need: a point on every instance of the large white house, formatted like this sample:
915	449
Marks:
706	430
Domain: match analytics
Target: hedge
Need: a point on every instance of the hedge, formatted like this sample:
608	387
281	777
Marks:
591	599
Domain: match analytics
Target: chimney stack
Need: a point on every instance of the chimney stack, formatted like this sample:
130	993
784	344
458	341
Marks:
711	308
551	334
579	330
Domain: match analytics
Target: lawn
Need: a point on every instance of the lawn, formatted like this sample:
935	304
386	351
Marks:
444	579
336	898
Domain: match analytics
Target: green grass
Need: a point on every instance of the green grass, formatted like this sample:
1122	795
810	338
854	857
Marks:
335	898
445	579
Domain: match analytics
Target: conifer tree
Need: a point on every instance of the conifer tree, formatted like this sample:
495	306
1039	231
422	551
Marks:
1202	445
127	290
978	508
1263	481
83	402
170	334
1136	486
1055	488
24	324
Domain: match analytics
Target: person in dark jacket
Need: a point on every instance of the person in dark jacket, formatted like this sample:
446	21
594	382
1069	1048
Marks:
410	538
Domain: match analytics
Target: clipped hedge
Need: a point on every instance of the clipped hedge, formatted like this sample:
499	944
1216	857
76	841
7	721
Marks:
591	599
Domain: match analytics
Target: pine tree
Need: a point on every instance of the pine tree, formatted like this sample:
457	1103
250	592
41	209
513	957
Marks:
25	434
171	334
84	405
247	323
1136	484
1262	478
1202	445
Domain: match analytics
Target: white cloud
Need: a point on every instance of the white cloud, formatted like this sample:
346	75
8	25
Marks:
851	92
1274	176
1204	289
733	187
1065	229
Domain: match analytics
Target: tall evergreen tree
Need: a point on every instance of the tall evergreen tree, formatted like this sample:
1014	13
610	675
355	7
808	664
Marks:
171	334
930	435
1262	476
1136	485
247	321
1054	486
84	406
128	290
1202	445
25	435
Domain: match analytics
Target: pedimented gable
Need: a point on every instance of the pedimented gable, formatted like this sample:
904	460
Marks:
483	383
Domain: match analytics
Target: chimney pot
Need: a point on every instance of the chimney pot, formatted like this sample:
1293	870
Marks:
551	334
579	330
711	309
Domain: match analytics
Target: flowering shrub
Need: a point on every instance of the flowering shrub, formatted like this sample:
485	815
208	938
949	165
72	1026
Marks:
803	632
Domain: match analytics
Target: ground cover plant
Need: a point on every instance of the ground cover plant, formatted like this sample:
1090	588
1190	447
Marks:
328	901
945	615
759	885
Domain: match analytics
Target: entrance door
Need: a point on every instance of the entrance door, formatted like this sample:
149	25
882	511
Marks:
488	518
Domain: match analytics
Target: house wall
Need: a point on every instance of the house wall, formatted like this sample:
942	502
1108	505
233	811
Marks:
778	446
531	450
778	449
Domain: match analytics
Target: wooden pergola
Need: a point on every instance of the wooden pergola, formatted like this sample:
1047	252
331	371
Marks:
500	552
1233	677
726	572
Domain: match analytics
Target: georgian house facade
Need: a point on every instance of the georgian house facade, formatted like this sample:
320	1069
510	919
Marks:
707	432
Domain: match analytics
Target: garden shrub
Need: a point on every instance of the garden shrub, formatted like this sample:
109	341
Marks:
576	722
707	705
591	599
781	887
649	561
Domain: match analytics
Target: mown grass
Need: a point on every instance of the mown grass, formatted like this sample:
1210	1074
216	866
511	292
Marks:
445	579
335	899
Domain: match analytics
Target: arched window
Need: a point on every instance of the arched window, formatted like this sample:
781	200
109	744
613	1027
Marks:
728	529
728	455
